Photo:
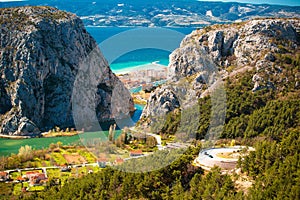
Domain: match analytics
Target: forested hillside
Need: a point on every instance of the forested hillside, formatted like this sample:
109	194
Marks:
274	167
259	64
267	119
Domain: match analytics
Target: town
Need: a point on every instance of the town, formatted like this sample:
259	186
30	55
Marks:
143	79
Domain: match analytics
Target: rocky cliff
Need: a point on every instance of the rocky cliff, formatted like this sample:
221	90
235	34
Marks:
42	52
220	51
160	102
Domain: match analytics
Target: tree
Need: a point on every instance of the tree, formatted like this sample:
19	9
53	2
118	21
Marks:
25	152
178	191
59	144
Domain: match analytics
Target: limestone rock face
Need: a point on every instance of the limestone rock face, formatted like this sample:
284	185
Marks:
161	102
42	50
214	53
235	44
248	44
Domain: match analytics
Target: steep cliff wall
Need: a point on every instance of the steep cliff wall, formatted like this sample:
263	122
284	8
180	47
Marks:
42	51
221	51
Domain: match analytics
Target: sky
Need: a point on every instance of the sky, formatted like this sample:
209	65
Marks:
9	0
278	2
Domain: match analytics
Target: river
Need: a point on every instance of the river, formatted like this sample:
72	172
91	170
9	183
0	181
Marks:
135	58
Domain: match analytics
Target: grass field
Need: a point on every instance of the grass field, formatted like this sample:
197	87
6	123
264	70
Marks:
74	158
58	158
89	157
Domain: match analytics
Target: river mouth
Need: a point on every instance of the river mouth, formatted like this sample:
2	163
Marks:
125	122
132	60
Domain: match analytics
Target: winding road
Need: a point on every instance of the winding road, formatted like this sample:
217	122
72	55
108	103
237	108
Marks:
209	158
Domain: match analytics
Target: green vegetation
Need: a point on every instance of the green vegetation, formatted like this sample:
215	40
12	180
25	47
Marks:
266	112
275	168
18	19
180	180
56	154
89	157
267	119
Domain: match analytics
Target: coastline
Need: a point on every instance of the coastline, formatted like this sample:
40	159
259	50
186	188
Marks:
148	66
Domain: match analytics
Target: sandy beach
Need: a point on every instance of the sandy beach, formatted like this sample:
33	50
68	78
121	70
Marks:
153	65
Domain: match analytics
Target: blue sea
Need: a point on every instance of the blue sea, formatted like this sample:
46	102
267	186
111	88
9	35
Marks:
136	58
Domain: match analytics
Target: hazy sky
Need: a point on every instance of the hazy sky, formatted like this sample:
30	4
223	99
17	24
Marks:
279	2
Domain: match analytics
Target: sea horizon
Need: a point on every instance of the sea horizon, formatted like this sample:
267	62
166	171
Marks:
141	59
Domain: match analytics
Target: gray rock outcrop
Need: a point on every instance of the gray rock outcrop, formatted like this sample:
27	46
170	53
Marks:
42	52
216	52
239	44
161	102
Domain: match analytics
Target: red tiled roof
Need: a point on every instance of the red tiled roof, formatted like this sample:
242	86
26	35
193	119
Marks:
34	172
20	178
136	151
119	160
3	173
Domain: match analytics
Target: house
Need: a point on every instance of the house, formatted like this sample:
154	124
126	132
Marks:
31	174
102	162
38	179
118	161
34	177
136	152
4	176
20	179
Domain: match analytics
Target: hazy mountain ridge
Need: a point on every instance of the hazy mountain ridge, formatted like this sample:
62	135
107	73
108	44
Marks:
43	53
186	13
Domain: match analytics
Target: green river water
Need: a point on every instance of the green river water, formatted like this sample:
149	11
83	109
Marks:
9	146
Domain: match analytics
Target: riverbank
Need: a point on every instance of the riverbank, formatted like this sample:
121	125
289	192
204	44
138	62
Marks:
141	97
60	133
14	136
42	135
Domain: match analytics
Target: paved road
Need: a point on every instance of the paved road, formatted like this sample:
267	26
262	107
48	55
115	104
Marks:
157	137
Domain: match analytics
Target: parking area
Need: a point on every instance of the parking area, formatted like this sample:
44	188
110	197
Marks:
226	158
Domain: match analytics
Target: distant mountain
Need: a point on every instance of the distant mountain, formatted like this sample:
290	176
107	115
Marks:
182	13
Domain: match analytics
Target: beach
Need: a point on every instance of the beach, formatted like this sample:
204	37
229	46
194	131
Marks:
147	66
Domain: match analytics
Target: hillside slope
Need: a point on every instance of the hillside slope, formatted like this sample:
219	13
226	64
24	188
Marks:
221	51
266	118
